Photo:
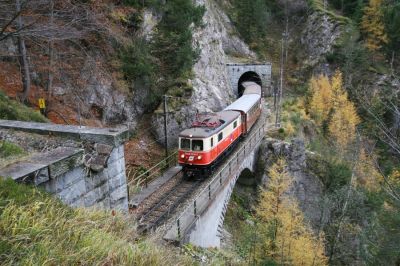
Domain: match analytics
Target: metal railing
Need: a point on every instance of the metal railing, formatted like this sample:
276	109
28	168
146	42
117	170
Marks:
142	179
204	198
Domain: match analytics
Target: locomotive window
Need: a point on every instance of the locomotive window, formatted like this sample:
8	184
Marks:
212	141
220	136
235	124
197	145
185	144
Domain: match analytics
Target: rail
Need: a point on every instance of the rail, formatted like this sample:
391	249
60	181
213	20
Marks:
149	174
204	198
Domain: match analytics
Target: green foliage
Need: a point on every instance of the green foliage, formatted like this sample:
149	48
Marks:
12	110
392	25
36	229
251	19
173	43
137	61
349	8
338	174
143	3
169	56
8	149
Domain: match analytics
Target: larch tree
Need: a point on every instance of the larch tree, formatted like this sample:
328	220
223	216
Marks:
344	119
321	103
373	26
366	173
287	239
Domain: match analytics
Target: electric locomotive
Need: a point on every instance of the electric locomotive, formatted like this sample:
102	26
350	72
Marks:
214	135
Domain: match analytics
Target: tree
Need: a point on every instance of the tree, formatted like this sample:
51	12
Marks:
366	173
287	238
373	27
330	104
321	99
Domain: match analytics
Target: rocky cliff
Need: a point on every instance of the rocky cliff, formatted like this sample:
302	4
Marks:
306	187
211	87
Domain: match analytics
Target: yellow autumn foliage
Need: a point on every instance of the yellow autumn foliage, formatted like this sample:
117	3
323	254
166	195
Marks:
329	103
373	27
291	240
321	100
366	173
343	123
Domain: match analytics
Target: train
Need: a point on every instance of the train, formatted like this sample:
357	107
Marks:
212	136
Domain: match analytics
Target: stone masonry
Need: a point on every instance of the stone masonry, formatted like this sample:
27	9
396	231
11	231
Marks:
89	177
262	70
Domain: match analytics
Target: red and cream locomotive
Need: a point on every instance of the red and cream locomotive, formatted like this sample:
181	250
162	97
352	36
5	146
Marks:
212	136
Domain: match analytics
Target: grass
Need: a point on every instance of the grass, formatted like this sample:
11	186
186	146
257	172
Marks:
8	149
318	6
13	110
36	229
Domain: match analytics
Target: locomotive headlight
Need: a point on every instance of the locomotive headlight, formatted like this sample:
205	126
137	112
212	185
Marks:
199	157
183	156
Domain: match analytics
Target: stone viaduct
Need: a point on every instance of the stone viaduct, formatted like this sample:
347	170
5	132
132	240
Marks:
202	218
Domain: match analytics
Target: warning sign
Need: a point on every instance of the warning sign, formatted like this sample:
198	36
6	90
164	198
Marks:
42	103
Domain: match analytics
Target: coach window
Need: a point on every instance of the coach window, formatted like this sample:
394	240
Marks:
197	145
185	144
235	124
212	141
220	136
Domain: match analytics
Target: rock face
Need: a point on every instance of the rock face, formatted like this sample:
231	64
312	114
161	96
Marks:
99	92
318	37
306	187
211	87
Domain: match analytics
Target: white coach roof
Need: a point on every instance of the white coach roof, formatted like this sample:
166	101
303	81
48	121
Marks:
244	103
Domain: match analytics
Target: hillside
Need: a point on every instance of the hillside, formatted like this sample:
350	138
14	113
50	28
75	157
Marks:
331	167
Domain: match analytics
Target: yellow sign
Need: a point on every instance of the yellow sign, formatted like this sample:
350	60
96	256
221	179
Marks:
42	103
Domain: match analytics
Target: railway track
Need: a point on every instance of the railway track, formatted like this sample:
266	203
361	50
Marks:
163	205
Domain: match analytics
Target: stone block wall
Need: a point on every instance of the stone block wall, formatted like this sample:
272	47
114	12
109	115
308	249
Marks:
105	189
84	168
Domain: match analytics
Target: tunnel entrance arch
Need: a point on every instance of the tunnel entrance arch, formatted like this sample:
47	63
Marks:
248	76
238	71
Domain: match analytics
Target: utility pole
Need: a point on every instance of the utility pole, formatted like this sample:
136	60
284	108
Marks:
165	129
278	107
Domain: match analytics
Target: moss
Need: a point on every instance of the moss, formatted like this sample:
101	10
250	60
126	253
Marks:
13	110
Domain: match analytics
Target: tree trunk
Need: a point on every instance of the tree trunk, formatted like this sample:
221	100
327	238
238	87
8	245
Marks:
23	57
51	54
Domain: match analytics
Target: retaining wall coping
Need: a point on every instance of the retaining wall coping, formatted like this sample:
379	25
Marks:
248	64
57	161
110	136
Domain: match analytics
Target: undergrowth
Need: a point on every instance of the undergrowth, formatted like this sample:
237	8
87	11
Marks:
8	149
36	229
12	110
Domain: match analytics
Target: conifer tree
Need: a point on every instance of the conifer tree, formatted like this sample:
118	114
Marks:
373	26
288	239
344	120
321	103
366	173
